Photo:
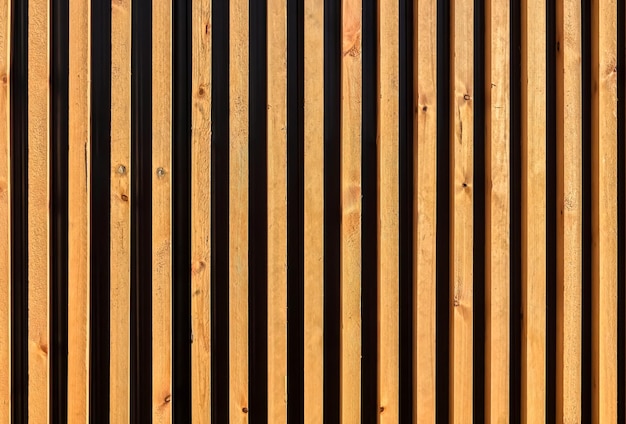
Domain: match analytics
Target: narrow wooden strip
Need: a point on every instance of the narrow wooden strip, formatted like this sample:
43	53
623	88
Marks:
277	211
569	216
161	211
201	213
461	209
388	207
604	212
78	247
38	210
238	206
351	212
425	210
120	211
313	210
497	220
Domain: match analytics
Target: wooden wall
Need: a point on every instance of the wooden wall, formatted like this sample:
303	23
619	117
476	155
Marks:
320	211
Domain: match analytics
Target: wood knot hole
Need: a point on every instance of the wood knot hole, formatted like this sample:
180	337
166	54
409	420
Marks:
124	197
244	410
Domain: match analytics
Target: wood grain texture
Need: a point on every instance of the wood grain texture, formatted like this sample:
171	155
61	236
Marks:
569	218
388	210
238	206
201	212
78	214
461	209
277	211
120	210
425	210
38	210
162	212
313	211
604	211
351	212
497	209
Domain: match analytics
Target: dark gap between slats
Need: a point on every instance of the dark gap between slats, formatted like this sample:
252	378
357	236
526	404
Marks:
257	210
406	212
442	371
516	216
219	212
59	210
99	233
369	215
332	209
479	214
551	212
19	210
141	215
295	211
181	212
621	212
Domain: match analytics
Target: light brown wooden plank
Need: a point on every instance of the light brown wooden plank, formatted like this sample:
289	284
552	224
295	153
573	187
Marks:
604	211
313	211
38	211
351	212
569	218
78	214
497	219
120	210
201	212
461	205
277	211
238	204
388	201
162	211
425	211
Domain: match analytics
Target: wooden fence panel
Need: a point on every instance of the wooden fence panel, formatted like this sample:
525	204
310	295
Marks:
5	218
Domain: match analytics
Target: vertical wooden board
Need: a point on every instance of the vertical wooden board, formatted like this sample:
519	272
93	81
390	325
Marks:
388	209
461	209
238	204
120	211
351	212
497	275
161	211
78	214
201	212
425	210
569	218
604	214
313	211
277	211
38	210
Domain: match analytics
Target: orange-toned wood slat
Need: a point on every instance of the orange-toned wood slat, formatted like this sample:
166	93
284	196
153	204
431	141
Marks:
277	211
497	219
461	209
313	210
120	211
78	214
38	210
201	212
604	211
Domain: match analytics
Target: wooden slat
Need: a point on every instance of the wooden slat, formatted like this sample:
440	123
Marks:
238	204
313	210
120	211
351	213
388	201
569	218
201	212
78	214
497	220
161	211
277	210
38	211
425	210
604	212
461	192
